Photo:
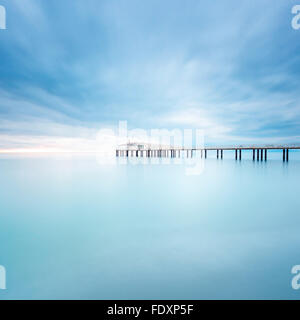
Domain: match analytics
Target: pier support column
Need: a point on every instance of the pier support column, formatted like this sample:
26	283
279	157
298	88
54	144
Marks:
261	154
205	153
283	154
257	157
137	153
236	154
217	154
127	153
117	153
287	154
240	154
253	154
222	154
266	154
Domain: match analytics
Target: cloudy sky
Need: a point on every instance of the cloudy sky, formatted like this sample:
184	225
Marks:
71	67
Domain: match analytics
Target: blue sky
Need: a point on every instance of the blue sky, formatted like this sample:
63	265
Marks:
71	67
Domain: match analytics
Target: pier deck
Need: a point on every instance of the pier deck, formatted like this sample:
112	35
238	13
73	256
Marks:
259	152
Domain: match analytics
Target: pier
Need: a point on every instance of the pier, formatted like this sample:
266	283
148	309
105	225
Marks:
260	153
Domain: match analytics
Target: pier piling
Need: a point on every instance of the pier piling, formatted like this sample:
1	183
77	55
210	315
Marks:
259	153
266	154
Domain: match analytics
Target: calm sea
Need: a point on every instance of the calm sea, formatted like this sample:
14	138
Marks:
71	228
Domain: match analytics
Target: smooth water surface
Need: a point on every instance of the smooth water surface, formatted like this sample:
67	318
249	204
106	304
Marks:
71	228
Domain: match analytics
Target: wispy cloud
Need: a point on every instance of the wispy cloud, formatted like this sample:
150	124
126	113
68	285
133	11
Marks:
69	68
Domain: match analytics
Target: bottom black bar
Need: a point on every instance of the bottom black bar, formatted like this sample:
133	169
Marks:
150	309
